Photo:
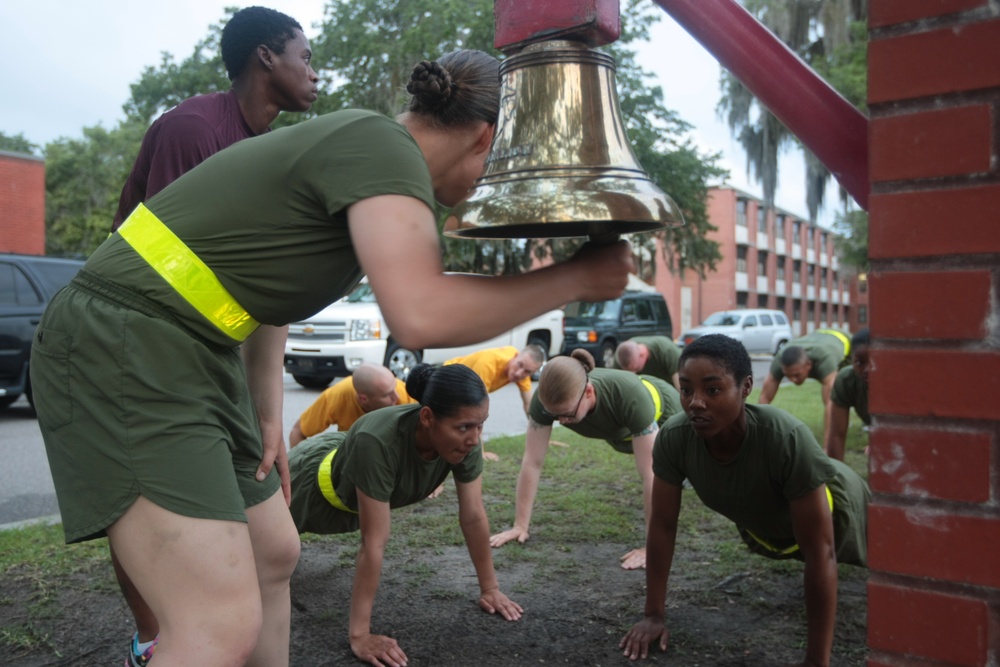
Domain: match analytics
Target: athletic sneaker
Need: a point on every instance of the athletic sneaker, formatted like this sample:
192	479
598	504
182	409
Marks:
134	659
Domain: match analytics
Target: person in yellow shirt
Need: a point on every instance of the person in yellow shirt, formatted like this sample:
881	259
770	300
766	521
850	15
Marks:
369	388
499	366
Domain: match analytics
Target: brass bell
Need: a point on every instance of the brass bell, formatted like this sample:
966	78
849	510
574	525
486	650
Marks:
561	164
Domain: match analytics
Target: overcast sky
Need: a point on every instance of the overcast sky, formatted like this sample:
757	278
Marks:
69	64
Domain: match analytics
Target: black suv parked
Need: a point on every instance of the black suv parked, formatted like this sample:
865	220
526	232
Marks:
599	327
27	282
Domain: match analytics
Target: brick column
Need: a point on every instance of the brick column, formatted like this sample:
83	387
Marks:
934	245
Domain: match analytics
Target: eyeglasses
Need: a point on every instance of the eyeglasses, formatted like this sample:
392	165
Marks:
570	415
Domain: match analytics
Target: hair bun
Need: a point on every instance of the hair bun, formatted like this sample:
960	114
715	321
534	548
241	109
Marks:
431	85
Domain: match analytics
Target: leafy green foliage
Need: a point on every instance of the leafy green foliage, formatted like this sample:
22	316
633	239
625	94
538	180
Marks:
17	144
83	182
852	242
831	37
364	54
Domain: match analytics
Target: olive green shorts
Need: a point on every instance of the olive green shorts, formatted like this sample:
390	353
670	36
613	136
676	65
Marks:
310	509
131	403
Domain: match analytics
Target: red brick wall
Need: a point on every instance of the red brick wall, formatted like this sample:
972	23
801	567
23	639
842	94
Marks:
934	245
22	204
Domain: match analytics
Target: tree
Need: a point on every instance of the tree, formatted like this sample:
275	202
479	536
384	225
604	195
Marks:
829	35
852	239
364	55
17	144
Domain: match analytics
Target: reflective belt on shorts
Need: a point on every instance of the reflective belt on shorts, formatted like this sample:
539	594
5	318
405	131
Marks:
843	339
186	273
795	547
657	401
326	483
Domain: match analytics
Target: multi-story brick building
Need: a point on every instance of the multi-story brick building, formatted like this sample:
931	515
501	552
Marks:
770	259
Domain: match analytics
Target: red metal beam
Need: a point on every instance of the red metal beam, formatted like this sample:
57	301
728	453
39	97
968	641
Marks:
830	126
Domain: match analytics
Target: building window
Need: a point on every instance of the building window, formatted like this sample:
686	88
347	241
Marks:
796	232
862	283
811	275
761	263
741	299
762	303
780	305
822	277
741	259
862	314
761	220
811	236
822	241
796	309
741	212
779	226
781	268
797	271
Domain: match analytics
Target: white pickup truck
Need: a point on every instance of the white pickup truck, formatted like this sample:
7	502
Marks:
350	332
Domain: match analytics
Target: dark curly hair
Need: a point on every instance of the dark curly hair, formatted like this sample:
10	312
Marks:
457	88
248	29
445	389
728	352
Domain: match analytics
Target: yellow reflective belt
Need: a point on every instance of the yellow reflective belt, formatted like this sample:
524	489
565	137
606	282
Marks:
792	549
326	483
186	273
657	401
843	339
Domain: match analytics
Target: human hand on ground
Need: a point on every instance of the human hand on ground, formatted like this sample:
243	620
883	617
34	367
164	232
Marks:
637	641
378	650
494	601
436	492
634	560
515	533
490	456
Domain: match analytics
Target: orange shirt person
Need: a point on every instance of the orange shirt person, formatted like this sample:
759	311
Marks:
499	366
369	388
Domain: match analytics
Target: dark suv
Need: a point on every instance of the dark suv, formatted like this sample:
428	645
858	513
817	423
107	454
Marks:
27	282
599	327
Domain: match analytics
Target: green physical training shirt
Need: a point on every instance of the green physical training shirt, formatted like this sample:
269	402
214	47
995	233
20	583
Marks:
779	461
624	408
825	350
663	359
850	391
268	215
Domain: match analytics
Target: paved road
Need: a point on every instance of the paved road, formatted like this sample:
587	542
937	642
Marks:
26	490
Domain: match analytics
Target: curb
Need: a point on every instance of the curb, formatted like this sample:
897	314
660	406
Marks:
45	520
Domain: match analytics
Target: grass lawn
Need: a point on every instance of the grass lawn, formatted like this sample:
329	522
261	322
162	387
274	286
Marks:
588	495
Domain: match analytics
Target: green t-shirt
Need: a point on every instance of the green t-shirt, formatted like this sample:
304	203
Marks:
778	462
663	356
850	391
268	215
377	455
825	350
624	408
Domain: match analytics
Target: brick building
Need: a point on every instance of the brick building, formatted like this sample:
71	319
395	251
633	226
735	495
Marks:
770	259
22	203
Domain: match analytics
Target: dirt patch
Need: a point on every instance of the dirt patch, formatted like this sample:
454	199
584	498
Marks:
577	603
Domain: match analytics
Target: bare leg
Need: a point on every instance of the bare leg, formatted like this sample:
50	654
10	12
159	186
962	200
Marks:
276	547
145	621
199	579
